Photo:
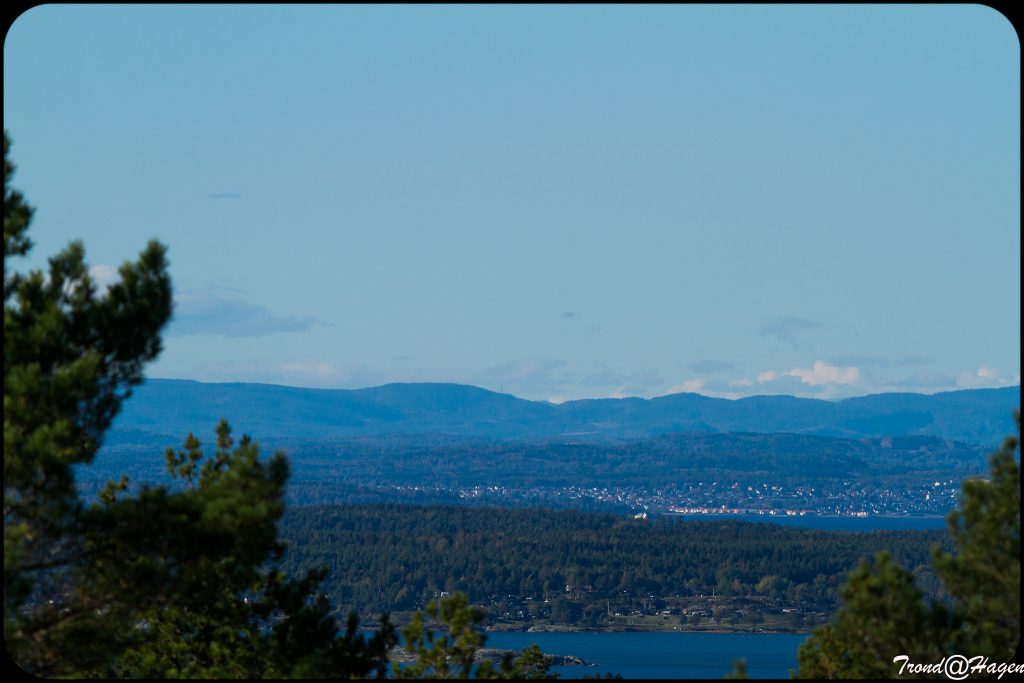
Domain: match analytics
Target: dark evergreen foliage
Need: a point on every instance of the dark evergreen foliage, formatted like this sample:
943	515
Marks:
395	557
884	616
158	584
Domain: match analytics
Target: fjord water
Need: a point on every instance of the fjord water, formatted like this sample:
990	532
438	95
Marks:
663	654
667	655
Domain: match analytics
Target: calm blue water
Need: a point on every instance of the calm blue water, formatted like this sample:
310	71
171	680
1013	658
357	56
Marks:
661	654
833	523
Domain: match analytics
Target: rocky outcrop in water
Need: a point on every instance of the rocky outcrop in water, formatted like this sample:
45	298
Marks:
490	654
495	654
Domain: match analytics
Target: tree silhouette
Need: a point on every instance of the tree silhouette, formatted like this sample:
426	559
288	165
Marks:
884	615
156	584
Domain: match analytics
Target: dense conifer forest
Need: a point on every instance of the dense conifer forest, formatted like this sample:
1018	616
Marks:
534	567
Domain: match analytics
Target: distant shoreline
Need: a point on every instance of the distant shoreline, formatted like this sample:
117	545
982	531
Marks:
630	629
808	514
638	629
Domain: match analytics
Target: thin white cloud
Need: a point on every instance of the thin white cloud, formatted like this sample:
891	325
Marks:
211	313
103	276
326	374
316	370
822	373
699	385
690	386
818	374
821	380
315	373
731	395
985	378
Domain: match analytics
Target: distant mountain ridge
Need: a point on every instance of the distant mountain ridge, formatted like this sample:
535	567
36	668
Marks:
175	407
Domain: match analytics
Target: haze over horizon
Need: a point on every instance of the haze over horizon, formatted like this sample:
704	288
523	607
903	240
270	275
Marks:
552	202
581	398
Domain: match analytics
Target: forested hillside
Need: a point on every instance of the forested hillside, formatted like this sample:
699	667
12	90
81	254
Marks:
534	567
979	416
433	459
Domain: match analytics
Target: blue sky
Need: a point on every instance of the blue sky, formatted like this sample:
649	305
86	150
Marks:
555	202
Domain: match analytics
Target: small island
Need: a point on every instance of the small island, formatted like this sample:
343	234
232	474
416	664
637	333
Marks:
489	654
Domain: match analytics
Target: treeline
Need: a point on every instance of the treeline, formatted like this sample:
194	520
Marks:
396	557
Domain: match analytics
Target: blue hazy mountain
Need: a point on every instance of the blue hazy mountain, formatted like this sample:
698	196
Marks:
176	407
